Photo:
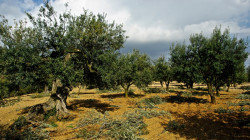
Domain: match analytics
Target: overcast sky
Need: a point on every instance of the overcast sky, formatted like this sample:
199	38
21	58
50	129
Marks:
152	25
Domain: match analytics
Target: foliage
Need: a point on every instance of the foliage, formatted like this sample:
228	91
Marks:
219	58
4	90
64	47
126	69
184	66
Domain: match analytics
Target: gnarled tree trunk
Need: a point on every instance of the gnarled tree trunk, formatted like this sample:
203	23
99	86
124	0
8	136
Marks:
56	101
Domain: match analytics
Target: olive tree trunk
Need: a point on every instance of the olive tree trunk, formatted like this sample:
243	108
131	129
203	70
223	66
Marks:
56	102
211	93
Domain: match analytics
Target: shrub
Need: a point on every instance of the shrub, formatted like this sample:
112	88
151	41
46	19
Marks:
4	90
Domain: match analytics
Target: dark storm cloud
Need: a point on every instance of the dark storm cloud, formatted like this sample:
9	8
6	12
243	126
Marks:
153	49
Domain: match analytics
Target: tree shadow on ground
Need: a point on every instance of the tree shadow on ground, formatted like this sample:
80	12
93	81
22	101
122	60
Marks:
199	93
91	103
2	132
85	93
121	95
201	89
214	126
180	99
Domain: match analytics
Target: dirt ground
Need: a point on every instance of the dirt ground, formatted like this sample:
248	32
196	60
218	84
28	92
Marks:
196	114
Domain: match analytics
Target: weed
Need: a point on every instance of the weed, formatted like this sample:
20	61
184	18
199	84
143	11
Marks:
70	126
174	125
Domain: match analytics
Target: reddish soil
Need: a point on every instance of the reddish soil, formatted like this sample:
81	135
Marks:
196	114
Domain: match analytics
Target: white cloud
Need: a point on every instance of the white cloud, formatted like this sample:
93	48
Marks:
149	21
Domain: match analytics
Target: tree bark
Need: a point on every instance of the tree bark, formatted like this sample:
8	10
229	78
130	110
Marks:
46	89
126	92
210	92
161	82
218	91
79	89
167	86
228	87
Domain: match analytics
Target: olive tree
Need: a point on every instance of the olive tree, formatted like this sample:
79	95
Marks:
126	70
184	65
218	57
61	49
163	72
